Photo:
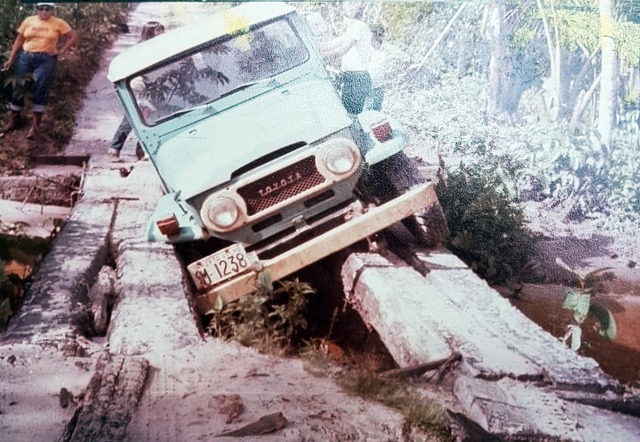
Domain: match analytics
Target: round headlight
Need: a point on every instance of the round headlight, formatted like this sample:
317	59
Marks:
221	212
340	159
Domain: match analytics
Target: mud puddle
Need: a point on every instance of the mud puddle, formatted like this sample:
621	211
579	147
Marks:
620	358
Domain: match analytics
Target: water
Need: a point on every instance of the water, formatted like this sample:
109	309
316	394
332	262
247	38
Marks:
620	358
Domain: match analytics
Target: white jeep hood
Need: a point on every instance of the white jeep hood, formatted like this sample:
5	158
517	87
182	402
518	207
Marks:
205	154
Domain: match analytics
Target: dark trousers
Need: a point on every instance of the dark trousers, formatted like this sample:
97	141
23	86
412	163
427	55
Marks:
42	66
122	132
356	86
375	98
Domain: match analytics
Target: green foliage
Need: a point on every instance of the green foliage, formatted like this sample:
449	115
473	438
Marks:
487	229
580	301
573	169
270	319
399	17
577	173
578	28
449	114
628	42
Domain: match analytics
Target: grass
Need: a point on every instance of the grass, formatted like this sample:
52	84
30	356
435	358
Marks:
419	414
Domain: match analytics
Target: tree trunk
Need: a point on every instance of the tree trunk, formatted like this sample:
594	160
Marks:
553	46
109	401
608	80
495	35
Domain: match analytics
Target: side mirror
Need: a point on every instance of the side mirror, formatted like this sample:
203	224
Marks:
316	23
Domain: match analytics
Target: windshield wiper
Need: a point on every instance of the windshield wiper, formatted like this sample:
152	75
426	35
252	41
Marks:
263	81
201	107
208	105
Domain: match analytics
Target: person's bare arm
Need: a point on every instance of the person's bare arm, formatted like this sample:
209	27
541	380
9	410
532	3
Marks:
17	45
69	39
336	47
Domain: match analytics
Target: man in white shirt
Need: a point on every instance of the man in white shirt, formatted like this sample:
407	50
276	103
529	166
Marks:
354	46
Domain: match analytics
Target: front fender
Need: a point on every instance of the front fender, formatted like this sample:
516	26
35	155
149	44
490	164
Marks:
189	221
376	151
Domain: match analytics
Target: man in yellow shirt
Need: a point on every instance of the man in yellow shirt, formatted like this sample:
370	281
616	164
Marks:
36	49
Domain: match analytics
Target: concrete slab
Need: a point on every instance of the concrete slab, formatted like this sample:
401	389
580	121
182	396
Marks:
514	379
55	301
533	412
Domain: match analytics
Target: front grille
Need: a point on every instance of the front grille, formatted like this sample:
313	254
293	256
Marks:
281	185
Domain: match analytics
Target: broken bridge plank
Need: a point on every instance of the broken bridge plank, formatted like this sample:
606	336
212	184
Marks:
452	309
109	401
508	407
423	318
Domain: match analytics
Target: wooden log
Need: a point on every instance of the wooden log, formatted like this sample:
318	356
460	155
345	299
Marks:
420	369
515	381
266	424
109	401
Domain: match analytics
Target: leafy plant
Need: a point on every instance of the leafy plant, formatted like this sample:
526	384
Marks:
270	319
575	172
580	300
487	228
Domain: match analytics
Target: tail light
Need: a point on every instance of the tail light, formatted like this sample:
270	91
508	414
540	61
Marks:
168	225
382	131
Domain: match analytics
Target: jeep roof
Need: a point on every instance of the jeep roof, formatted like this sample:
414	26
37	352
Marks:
226	22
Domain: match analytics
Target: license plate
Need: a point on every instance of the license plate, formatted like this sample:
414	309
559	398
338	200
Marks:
221	266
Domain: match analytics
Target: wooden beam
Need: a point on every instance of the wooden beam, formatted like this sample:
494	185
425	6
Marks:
110	400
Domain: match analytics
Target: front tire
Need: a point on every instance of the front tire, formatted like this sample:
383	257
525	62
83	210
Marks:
393	177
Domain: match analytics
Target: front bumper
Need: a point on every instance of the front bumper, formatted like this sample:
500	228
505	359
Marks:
350	232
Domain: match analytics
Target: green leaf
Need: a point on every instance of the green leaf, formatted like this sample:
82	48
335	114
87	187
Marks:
570	299
606	320
582	308
579	302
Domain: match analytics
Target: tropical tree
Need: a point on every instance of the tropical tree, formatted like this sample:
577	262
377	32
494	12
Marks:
608	75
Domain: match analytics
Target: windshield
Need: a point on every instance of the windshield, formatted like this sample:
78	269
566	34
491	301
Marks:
221	69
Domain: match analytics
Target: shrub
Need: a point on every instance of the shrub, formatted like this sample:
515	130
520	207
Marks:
270	319
487	228
580	300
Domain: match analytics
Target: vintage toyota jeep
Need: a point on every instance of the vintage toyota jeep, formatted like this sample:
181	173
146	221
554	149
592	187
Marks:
259	160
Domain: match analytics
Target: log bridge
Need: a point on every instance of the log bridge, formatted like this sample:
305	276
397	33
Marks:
513	379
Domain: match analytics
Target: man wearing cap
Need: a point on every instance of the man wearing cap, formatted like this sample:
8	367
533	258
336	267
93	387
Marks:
36	49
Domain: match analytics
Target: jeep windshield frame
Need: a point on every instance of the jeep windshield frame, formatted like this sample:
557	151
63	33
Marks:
196	80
